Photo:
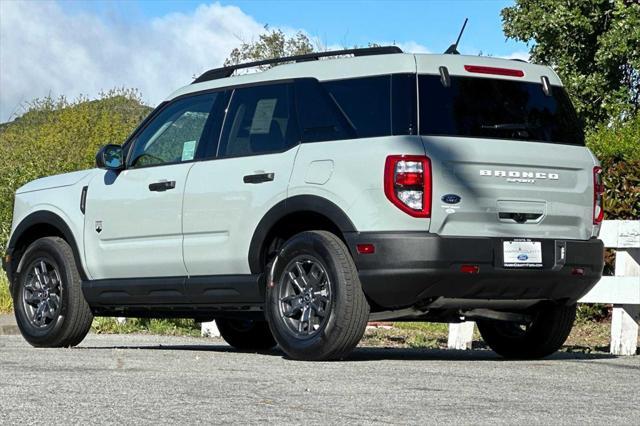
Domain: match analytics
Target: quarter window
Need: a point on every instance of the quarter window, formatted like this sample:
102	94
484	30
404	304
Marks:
365	102
175	134
259	121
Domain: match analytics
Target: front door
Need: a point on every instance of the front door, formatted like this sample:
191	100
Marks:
133	218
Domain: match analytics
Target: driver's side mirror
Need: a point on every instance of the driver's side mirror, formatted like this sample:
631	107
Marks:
110	157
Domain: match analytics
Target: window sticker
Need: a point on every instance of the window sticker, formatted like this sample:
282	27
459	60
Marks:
261	123
188	150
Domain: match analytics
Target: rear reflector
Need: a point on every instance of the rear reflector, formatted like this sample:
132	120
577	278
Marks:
492	70
366	248
470	269
577	271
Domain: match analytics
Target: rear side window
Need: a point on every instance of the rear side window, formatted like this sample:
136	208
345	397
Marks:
357	108
365	103
320	118
492	108
260	120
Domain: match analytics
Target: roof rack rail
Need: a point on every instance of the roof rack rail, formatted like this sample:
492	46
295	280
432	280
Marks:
223	72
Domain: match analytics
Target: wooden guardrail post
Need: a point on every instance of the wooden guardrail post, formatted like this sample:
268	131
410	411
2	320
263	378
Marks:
625	316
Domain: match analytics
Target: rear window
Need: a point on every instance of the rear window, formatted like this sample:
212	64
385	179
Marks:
492	108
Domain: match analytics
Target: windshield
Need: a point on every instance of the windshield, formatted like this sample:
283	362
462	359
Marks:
492	108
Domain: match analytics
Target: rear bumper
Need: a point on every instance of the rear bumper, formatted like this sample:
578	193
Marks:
410	268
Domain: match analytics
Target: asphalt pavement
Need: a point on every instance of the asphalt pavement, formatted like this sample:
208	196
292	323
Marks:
136	379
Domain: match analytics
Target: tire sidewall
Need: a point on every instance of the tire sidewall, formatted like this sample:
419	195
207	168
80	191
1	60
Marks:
311	347
47	249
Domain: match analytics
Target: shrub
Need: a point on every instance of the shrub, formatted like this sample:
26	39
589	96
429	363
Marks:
616	142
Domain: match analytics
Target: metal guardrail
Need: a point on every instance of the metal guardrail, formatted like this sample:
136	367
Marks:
622	290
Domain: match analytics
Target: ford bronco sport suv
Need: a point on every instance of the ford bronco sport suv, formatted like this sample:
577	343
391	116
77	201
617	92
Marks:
295	204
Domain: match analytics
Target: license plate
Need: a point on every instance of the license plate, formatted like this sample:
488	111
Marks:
522	254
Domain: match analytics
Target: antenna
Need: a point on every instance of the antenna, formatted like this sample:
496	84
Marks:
453	49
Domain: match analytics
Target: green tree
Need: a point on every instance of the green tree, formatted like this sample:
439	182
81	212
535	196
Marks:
594	46
270	44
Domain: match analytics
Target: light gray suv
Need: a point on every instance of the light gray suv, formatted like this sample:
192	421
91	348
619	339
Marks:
295	204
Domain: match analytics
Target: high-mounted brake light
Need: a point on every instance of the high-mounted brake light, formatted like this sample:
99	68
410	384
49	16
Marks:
598	191
493	70
407	183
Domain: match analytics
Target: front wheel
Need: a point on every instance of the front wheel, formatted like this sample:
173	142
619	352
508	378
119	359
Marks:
548	330
49	305
315	305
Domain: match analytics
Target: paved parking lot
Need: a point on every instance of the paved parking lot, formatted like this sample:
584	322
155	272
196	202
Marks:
153	379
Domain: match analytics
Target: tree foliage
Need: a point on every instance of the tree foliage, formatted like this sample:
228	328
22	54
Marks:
270	45
594	46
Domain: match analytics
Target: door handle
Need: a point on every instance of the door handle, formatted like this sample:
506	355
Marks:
259	178
162	186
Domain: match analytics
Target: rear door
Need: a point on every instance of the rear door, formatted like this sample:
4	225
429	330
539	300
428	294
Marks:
133	218
227	195
508	156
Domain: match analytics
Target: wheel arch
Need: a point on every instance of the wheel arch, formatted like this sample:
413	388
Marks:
37	225
293	215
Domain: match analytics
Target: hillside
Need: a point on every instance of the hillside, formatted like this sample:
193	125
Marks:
57	136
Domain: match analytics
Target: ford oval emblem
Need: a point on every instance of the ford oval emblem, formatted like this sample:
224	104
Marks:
523	257
451	198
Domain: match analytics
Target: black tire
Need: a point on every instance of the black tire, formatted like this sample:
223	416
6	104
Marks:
338	305
68	316
546	333
246	335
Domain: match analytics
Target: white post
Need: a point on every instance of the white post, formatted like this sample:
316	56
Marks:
624	320
209	329
461	335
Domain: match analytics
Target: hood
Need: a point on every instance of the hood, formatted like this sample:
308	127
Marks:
55	181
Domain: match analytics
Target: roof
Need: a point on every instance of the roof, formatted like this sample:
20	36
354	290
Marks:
376	64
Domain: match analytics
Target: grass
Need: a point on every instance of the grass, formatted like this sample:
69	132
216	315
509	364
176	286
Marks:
586	336
167	327
6	304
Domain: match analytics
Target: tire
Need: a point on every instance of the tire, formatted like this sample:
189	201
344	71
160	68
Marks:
546	333
246	335
326	286
49	306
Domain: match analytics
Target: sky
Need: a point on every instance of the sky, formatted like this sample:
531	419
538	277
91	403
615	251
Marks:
74	48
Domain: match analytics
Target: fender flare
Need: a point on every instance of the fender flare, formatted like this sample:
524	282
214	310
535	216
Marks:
295	204
44	217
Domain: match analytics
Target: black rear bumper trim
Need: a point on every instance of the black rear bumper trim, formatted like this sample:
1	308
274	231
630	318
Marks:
409	268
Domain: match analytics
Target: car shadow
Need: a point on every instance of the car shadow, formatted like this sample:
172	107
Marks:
371	353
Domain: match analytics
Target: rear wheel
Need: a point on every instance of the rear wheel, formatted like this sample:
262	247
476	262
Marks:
246	335
49	306
315	305
544	335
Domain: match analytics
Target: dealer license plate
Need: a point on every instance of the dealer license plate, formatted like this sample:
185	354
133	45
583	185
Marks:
522	254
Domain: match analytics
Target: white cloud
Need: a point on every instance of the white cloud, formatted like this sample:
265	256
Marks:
412	47
46	50
517	55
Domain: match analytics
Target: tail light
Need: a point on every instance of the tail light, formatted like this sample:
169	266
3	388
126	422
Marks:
407	183
598	190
